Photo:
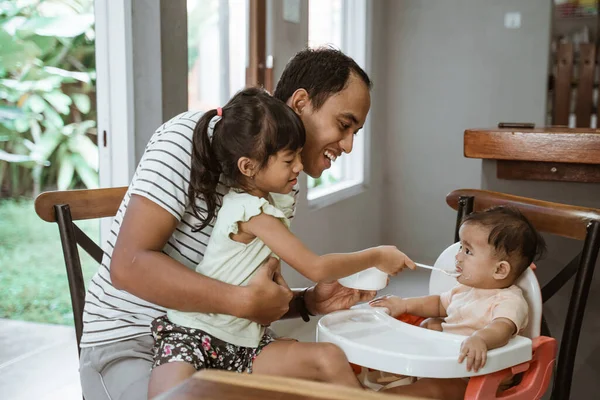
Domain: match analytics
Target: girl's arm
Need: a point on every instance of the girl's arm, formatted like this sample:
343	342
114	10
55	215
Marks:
139	267
321	268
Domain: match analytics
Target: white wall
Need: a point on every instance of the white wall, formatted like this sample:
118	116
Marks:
350	224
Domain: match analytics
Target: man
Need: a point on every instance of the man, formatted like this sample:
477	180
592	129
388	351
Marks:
153	250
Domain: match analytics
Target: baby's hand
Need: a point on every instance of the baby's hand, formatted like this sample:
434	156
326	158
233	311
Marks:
474	350
394	304
391	260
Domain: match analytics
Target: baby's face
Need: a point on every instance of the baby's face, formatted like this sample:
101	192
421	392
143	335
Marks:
476	260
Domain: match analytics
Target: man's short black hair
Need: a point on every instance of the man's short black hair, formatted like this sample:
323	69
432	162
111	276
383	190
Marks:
322	72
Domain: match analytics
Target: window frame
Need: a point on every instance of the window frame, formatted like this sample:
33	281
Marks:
356	40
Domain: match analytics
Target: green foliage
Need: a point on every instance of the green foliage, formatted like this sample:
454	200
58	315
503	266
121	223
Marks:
47	81
33	278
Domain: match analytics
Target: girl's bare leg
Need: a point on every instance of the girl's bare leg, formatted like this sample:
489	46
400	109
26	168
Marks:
323	362
167	376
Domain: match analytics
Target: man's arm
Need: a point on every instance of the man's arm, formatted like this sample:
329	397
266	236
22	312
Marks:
324	298
139	267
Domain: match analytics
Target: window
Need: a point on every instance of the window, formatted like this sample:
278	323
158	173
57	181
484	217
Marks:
217	51
343	25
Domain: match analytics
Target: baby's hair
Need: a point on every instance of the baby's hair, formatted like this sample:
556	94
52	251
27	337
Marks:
511	234
253	124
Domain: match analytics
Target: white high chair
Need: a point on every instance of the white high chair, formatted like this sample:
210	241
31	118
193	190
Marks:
371	338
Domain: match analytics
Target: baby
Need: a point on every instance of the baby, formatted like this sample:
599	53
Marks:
496	246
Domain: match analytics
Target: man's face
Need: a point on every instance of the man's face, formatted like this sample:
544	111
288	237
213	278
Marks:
330	130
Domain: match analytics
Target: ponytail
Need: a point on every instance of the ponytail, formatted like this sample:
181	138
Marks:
205	173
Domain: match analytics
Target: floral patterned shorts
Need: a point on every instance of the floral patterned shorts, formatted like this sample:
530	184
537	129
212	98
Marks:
178	343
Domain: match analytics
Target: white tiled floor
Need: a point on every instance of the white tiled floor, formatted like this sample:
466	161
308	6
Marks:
39	361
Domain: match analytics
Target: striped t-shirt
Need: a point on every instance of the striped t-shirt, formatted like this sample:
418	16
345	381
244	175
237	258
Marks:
162	176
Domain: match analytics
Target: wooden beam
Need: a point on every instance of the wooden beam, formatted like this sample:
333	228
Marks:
543	171
563	145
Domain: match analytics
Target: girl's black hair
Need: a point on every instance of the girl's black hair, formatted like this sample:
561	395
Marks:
255	125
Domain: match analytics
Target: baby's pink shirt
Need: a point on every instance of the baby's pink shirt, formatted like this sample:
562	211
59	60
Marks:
470	309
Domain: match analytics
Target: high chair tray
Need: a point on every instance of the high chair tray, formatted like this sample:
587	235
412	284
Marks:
371	338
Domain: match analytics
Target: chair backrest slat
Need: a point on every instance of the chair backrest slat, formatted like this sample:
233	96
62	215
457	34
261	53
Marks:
88	244
558	219
561	106
585	100
84	204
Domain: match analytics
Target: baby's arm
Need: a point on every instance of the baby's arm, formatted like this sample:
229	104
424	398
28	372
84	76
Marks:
426	306
474	349
322	268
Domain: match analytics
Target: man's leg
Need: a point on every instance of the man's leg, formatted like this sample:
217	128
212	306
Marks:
322	362
118	370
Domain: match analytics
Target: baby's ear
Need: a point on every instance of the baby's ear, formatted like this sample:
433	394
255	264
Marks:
502	270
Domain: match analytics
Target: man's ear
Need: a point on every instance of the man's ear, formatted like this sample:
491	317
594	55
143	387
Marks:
299	101
502	271
247	166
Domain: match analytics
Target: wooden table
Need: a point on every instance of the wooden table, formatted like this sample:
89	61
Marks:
221	385
552	153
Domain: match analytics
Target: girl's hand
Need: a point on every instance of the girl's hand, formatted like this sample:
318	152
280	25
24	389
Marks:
474	350
391	260
396	305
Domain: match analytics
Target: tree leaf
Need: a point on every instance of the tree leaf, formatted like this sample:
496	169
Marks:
36	103
10	113
53	119
83	145
14	158
88	176
14	55
65	26
46	145
66	172
80	76
60	101
82	102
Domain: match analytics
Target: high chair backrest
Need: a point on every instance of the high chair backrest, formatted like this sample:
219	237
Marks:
440	282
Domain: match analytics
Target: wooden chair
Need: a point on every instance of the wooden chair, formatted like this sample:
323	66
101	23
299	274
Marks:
65	207
559	219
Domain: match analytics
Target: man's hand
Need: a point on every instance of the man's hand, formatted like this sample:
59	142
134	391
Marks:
396	305
267	294
474	350
324	298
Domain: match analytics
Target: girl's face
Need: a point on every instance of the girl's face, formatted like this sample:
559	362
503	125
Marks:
280	174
